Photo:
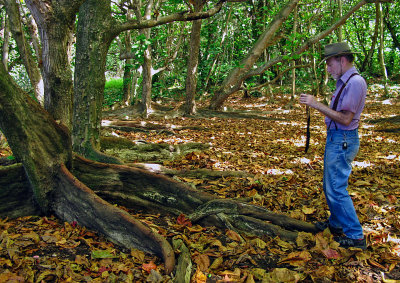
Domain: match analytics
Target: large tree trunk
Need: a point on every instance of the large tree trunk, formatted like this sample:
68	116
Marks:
44	148
236	77
13	12
93	41
56	23
193	62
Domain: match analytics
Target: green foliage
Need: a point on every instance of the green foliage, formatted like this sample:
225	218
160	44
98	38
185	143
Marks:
113	92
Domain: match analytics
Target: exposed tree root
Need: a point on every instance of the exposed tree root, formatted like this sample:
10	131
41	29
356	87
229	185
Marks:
74	201
133	188
184	264
195	173
136	188
15	193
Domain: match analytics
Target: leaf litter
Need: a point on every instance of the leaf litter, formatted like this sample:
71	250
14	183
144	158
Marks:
284	179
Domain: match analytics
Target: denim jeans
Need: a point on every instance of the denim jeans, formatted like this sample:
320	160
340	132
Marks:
340	150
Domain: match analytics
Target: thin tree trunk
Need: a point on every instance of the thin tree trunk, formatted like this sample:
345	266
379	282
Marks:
381	47
368	59
147	76
223	37
340	29
13	12
295	23
395	38
193	62
6	42
127	80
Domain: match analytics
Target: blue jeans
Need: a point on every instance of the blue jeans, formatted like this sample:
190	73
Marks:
340	150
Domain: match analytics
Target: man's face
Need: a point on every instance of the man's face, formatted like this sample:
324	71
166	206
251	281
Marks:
334	67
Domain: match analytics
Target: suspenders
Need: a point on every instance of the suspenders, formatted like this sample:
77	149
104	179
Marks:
335	103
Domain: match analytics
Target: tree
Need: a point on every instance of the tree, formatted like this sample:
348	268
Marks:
193	61
56	22
247	69
96	29
44	148
235	78
13	12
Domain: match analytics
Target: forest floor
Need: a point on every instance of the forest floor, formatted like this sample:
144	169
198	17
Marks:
267	140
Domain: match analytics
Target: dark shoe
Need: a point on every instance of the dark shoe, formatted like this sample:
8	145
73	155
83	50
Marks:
321	226
346	242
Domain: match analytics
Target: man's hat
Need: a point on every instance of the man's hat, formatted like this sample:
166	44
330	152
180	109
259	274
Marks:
335	49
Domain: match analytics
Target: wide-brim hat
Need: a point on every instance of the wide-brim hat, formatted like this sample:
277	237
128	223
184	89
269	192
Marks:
336	49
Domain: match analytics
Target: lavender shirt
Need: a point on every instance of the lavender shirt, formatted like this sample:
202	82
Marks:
352	99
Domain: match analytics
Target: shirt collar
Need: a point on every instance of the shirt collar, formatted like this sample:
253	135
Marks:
348	73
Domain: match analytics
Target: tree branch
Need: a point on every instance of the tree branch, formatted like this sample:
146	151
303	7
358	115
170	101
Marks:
314	39
180	16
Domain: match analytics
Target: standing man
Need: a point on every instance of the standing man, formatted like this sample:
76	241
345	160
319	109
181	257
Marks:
342	143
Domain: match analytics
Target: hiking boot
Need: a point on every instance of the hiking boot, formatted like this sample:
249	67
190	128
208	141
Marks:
322	225
346	242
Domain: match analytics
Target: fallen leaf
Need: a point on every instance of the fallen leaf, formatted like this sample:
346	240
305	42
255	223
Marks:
234	236
331	253
202	261
297	258
149	266
199	277
182	220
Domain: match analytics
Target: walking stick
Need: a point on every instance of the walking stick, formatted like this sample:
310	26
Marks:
308	129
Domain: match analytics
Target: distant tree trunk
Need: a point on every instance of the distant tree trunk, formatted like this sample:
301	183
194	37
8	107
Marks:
381	47
389	25
295	23
13	12
340	29
127	80
368	59
147	76
56	22
236	77
6	42
193	62
218	55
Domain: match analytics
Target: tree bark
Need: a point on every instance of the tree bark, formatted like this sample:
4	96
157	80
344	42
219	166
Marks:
368	58
96	30
381	47
56	23
193	62
6	42
13	12
92	43
45	150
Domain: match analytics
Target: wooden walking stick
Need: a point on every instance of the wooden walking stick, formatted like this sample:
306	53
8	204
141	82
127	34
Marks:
308	135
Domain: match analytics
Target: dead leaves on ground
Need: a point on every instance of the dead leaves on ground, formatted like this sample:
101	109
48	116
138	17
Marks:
285	180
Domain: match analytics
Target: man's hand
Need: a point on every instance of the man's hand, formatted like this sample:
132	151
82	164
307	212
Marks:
343	117
307	99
